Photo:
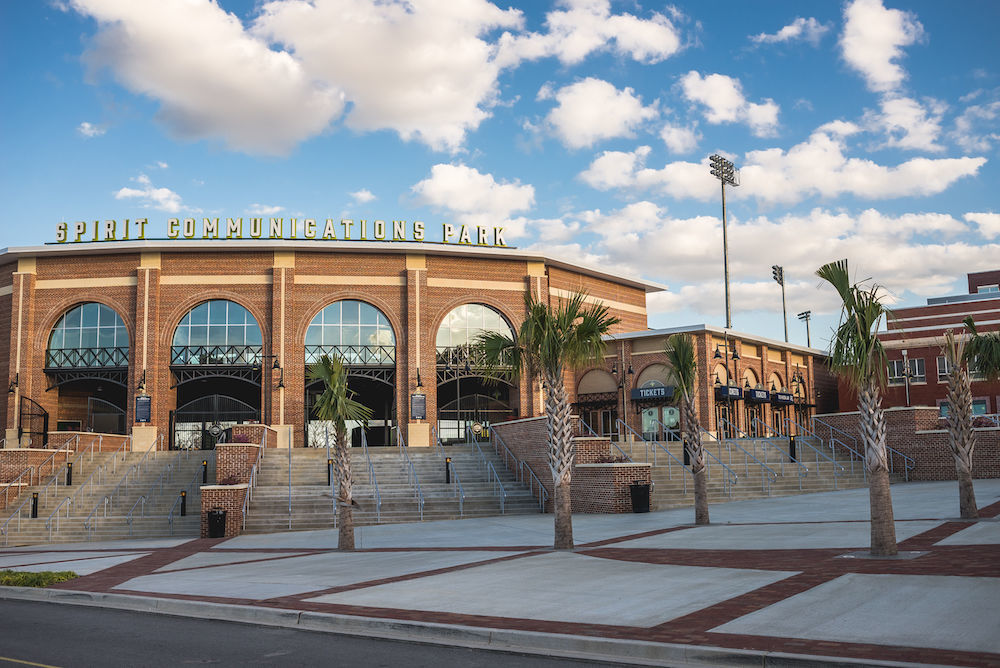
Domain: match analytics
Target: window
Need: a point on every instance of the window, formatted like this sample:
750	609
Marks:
896	376
896	373
979	407
88	335
356	331
217	332
463	325
917	372
943	368
988	288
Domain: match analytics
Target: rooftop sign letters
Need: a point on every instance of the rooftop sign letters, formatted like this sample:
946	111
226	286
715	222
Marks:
279	228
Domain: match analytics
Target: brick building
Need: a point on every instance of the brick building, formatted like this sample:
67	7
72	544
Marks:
176	341
917	372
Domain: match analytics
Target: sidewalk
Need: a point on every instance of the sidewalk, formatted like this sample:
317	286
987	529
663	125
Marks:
784	579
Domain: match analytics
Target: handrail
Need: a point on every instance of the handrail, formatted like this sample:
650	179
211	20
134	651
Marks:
801	429
289	485
457	489
372	479
543	494
992	417
7	486
51	458
497	483
114	455
142	511
418	493
832	429
909	463
471	438
98	473
589	428
191	483
765	481
17	513
55	514
109	499
731	477
838	468
803	470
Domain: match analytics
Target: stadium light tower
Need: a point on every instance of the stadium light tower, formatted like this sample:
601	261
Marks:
804	316
778	273
724	170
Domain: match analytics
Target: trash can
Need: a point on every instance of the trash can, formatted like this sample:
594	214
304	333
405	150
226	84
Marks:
640	496
217	523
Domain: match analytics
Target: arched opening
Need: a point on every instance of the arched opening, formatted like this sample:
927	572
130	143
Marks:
654	392
86	361
726	397
362	337
780	400
467	400
216	357
755	399
597	402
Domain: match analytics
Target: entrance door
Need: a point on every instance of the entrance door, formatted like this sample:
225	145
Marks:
755	416
725	420
197	425
660	423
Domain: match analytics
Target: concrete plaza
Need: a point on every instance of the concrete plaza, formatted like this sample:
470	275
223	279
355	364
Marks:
786	579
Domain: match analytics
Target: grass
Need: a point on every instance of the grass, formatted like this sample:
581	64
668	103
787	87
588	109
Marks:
41	579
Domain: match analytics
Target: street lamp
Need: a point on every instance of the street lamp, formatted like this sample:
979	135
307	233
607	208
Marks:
805	316
725	171
778	273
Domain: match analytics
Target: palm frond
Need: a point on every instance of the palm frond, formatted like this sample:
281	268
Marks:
683	363
982	352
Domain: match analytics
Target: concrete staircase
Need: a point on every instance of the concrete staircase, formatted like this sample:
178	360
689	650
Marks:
312	499
673	486
159	477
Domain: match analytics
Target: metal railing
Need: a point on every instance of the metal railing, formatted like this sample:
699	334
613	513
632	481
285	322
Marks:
15	515
766	446
838	468
992	417
908	462
232	355
497	484
651	448
154	490
75	358
418	494
68	502
16	484
729	478
190	485
107	502
521	466
767	474
372	480
470	438
457	489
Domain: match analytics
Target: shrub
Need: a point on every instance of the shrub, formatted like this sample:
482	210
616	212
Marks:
40	579
609	459
241	438
229	480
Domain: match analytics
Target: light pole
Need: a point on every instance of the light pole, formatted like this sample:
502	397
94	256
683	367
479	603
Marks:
778	273
805	316
724	170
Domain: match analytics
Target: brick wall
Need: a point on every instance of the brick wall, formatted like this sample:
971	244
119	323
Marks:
255	433
918	433
229	498
234	461
595	488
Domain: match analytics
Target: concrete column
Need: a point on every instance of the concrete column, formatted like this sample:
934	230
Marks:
147	358
289	352
22	317
415	353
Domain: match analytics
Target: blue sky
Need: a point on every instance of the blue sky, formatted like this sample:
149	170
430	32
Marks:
865	129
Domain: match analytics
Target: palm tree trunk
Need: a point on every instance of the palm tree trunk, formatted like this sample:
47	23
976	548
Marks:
961	438
692	434
345	512
883	527
561	454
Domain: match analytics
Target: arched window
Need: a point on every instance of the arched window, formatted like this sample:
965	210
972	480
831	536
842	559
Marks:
462	326
750	379
217	332
88	335
356	331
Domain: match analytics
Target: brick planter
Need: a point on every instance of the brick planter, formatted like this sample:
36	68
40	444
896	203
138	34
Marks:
224	497
604	488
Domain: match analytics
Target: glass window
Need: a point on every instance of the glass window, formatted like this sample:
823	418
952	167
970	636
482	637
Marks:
943	368
82	331
988	288
218	323
917	373
468	321
355	324
896	374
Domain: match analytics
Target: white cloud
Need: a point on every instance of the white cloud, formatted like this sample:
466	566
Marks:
211	78
475	198
723	100
908	124
151	197
586	26
975	129
256	209
911	252
420	68
809	30
161	165
591	110
89	130
816	167
989	223
679	139
873	41
362	196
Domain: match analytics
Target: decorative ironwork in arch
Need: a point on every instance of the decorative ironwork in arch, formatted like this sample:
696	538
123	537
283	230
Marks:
59	377
186	374
456	351
355	331
217	332
88	336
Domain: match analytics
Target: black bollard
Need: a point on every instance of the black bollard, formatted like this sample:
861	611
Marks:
184	503
34	505
447	470
329	472
69	473
204	471
791	447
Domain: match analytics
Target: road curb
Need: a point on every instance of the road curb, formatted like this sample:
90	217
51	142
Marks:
634	652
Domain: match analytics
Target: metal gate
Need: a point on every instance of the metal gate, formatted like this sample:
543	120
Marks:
198	424
33	422
104	417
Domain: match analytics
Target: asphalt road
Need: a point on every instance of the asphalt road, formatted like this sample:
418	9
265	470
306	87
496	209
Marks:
49	634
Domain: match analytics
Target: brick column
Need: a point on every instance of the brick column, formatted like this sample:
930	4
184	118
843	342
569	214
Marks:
290	354
22	317
529	391
415	350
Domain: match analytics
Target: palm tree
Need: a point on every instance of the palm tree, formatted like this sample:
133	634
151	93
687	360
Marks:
959	420
680	353
550	341
858	358
337	405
